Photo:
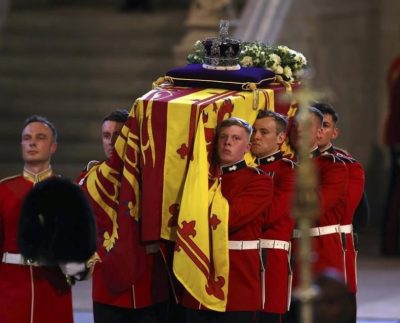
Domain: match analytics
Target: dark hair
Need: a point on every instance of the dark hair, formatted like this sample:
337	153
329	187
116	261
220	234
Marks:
119	115
37	118
233	121
317	113
280	120
326	108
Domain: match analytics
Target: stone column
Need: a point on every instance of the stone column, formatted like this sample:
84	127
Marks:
203	21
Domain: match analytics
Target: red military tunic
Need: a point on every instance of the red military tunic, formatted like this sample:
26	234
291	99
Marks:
328	250
333	181
354	195
28	294
278	227
249	194
149	289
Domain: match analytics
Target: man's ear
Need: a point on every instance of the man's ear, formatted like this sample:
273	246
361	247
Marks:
53	148
319	133
248	146
335	133
281	138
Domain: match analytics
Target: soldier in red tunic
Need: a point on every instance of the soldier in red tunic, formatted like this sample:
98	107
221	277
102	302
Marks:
29	292
144	301
269	132
110	130
355	194
332	190
249	194
355	189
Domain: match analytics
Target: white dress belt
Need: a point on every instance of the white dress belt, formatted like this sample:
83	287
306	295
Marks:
244	245
16	259
256	244
275	244
348	228
319	231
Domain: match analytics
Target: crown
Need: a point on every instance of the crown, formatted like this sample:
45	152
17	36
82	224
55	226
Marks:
222	53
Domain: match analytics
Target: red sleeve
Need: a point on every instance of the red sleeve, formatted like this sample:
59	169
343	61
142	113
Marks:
250	202
333	183
284	186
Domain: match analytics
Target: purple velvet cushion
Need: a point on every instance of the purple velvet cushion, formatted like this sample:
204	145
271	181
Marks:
194	75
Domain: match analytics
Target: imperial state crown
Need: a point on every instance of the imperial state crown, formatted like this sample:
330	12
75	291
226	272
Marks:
222	53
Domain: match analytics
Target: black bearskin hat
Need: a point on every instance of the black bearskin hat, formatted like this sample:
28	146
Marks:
57	223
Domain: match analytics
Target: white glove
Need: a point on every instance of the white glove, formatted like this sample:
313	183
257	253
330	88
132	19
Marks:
73	268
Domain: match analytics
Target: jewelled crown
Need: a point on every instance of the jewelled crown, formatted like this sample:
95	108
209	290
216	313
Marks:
222	52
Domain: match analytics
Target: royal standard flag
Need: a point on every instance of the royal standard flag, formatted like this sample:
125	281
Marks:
201	261
181	114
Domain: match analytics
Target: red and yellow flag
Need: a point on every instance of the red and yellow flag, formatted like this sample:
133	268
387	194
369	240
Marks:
139	190
182	113
201	261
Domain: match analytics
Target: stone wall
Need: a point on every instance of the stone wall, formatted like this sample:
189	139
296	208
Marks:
340	41
350	45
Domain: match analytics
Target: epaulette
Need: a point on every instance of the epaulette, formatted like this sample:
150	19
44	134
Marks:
333	157
341	151
91	164
289	161
346	158
9	178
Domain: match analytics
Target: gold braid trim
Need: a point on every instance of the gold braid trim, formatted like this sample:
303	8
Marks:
89	265
286	148
250	86
95	258
161	80
286	84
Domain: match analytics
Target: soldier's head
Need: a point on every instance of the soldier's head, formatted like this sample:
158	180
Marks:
110	129
329	129
38	142
269	132
314	131
233	140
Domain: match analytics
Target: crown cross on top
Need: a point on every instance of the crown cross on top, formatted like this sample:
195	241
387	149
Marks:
223	29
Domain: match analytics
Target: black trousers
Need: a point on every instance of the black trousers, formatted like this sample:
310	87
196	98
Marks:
271	318
103	313
199	316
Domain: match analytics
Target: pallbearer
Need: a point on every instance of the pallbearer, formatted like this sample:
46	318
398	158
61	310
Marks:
248	193
269	132
332	190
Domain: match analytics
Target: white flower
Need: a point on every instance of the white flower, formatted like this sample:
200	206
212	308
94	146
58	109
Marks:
287	71
262	55
302	58
278	69
275	58
247	61
284	49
